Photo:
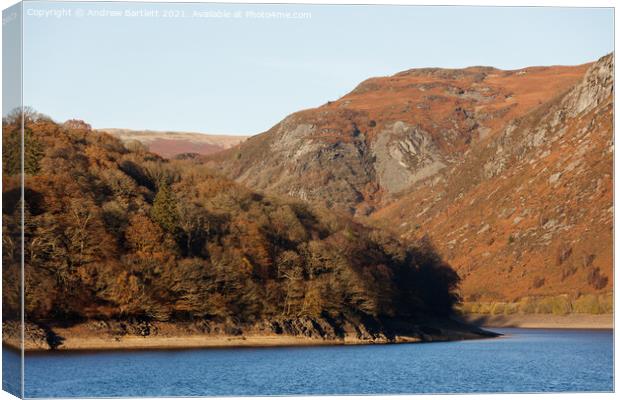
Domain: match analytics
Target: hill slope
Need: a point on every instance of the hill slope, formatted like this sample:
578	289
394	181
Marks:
509	173
530	213
355	153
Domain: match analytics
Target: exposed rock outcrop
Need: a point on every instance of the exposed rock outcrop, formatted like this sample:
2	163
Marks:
357	153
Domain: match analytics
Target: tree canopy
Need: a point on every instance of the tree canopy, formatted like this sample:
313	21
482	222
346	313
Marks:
117	233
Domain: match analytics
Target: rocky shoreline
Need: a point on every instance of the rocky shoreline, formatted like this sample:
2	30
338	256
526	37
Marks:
110	335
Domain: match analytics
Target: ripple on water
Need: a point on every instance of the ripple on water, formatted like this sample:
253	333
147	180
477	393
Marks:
524	360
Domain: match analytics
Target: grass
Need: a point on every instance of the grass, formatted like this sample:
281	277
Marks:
556	305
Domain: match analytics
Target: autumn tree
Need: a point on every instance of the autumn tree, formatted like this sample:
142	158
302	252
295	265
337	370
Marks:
194	226
117	232
77	125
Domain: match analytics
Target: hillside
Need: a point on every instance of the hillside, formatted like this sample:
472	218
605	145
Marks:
354	154
508	173
172	144
527	218
123	242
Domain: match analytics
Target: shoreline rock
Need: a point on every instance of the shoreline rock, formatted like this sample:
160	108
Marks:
117	335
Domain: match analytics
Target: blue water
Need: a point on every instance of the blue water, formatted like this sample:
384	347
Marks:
522	361
11	371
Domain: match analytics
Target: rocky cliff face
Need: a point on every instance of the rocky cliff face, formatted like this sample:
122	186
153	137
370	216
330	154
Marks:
355	154
530	212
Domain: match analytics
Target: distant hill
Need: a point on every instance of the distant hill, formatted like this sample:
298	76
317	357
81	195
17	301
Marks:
172	144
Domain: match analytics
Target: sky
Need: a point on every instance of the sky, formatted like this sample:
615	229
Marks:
242	73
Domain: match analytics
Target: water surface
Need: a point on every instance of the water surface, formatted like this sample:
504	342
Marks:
525	360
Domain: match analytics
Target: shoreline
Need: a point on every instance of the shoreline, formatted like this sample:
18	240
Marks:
541	321
198	342
83	337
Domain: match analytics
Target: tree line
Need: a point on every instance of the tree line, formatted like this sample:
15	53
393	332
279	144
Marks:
115	232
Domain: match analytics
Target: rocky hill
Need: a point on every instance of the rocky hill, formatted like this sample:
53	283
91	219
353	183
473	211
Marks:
528	216
356	153
173	144
508	173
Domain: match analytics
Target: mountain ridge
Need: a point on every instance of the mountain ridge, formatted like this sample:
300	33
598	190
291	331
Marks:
390	132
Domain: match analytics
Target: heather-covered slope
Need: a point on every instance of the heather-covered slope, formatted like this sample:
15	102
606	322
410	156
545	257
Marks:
126	241
527	218
509	173
355	153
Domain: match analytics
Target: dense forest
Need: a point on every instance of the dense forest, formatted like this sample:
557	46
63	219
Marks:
115	232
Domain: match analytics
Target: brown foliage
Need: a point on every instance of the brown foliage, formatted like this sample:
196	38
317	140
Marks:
114	233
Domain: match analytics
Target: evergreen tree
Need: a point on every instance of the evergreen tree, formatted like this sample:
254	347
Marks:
11	153
33	152
164	210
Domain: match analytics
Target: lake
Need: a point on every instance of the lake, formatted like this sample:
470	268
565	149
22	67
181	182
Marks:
525	360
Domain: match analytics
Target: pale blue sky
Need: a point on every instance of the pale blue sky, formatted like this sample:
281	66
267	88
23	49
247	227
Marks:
241	76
